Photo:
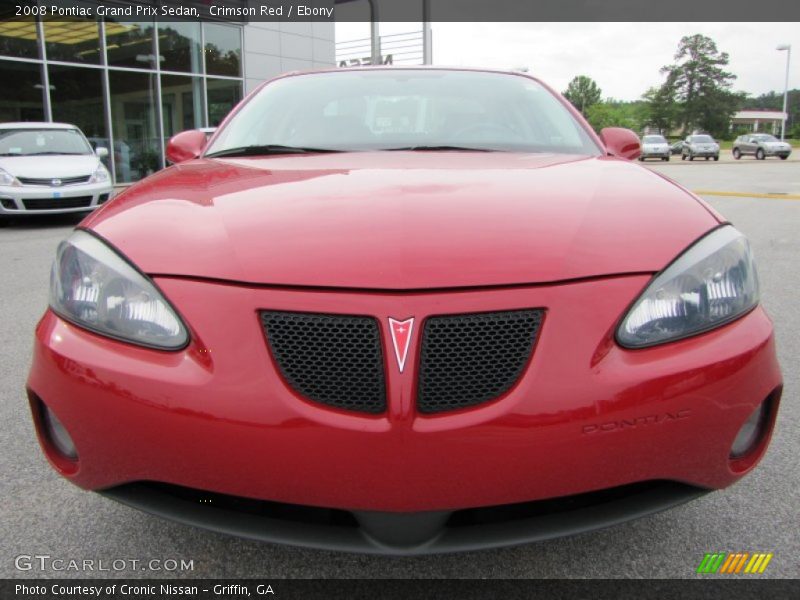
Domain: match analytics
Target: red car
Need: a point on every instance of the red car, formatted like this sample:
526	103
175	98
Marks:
405	311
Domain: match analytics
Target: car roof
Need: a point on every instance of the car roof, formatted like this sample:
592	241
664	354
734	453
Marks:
36	125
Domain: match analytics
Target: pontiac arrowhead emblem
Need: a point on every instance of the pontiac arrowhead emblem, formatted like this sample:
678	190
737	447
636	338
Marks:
401	338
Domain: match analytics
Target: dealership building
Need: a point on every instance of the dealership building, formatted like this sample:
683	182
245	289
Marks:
130	86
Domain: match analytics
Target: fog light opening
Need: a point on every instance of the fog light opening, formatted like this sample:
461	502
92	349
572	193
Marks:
58	435
751	432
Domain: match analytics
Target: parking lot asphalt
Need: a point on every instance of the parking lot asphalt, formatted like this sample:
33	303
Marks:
43	514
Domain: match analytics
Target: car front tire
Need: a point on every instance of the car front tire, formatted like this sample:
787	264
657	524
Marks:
784	157
760	154
737	154
716	158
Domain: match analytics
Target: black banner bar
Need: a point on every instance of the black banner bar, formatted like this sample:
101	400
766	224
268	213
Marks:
733	587
412	10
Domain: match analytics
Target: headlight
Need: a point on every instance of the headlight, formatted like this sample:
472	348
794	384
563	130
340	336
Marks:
7	178
100	174
94	287
712	283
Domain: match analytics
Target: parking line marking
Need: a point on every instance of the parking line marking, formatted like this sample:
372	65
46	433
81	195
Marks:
747	195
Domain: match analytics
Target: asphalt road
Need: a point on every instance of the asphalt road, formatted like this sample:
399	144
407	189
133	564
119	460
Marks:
43	514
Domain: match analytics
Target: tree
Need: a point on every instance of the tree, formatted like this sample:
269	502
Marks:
661	107
583	92
613	113
701	86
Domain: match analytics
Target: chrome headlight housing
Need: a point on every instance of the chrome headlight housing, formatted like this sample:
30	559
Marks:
712	283
7	178
94	287
100	174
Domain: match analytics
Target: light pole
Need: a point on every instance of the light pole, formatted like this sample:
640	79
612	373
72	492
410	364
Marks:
788	48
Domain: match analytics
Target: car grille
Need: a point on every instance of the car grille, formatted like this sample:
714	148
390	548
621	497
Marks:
55	203
473	358
48	181
331	359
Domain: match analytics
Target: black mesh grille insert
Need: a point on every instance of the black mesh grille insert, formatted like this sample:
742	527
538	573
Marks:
54	203
470	359
331	359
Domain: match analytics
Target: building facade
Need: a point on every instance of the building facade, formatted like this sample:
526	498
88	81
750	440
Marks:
130	86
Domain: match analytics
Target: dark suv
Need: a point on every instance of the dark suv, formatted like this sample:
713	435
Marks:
760	145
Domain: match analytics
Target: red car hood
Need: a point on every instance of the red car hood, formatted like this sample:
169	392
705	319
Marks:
392	220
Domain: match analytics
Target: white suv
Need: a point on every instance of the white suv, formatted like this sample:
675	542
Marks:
48	168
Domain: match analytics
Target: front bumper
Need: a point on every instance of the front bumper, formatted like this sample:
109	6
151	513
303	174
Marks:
656	153
37	200
701	153
777	152
586	415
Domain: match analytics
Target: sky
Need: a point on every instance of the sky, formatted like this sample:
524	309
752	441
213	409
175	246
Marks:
623	58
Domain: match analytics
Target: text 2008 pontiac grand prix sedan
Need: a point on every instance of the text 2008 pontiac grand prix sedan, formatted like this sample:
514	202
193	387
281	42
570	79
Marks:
405	311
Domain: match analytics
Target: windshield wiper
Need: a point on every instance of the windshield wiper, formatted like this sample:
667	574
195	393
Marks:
51	153
439	148
267	150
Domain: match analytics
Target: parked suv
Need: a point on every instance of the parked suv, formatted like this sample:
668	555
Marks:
655	146
700	145
48	168
760	145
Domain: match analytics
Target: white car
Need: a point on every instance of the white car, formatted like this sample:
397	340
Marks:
48	168
655	146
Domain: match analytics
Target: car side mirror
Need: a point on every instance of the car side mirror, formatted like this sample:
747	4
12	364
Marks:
186	145
101	152
621	142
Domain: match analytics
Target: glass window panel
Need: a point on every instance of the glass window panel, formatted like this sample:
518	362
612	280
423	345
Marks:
130	44
182	103
223	49
223	95
24	99
76	95
137	151
179	45
75	40
18	38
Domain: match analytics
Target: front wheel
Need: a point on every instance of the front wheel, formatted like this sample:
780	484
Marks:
784	157
691	157
760	154
665	158
716	158
737	154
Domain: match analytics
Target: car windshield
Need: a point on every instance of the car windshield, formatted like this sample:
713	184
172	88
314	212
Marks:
405	109
32	142
701	139
653	139
764	137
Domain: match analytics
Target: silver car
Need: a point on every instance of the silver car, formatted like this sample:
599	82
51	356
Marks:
655	146
48	168
760	145
699	145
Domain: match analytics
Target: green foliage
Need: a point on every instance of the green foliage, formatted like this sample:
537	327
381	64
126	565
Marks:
583	93
612	113
696	93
